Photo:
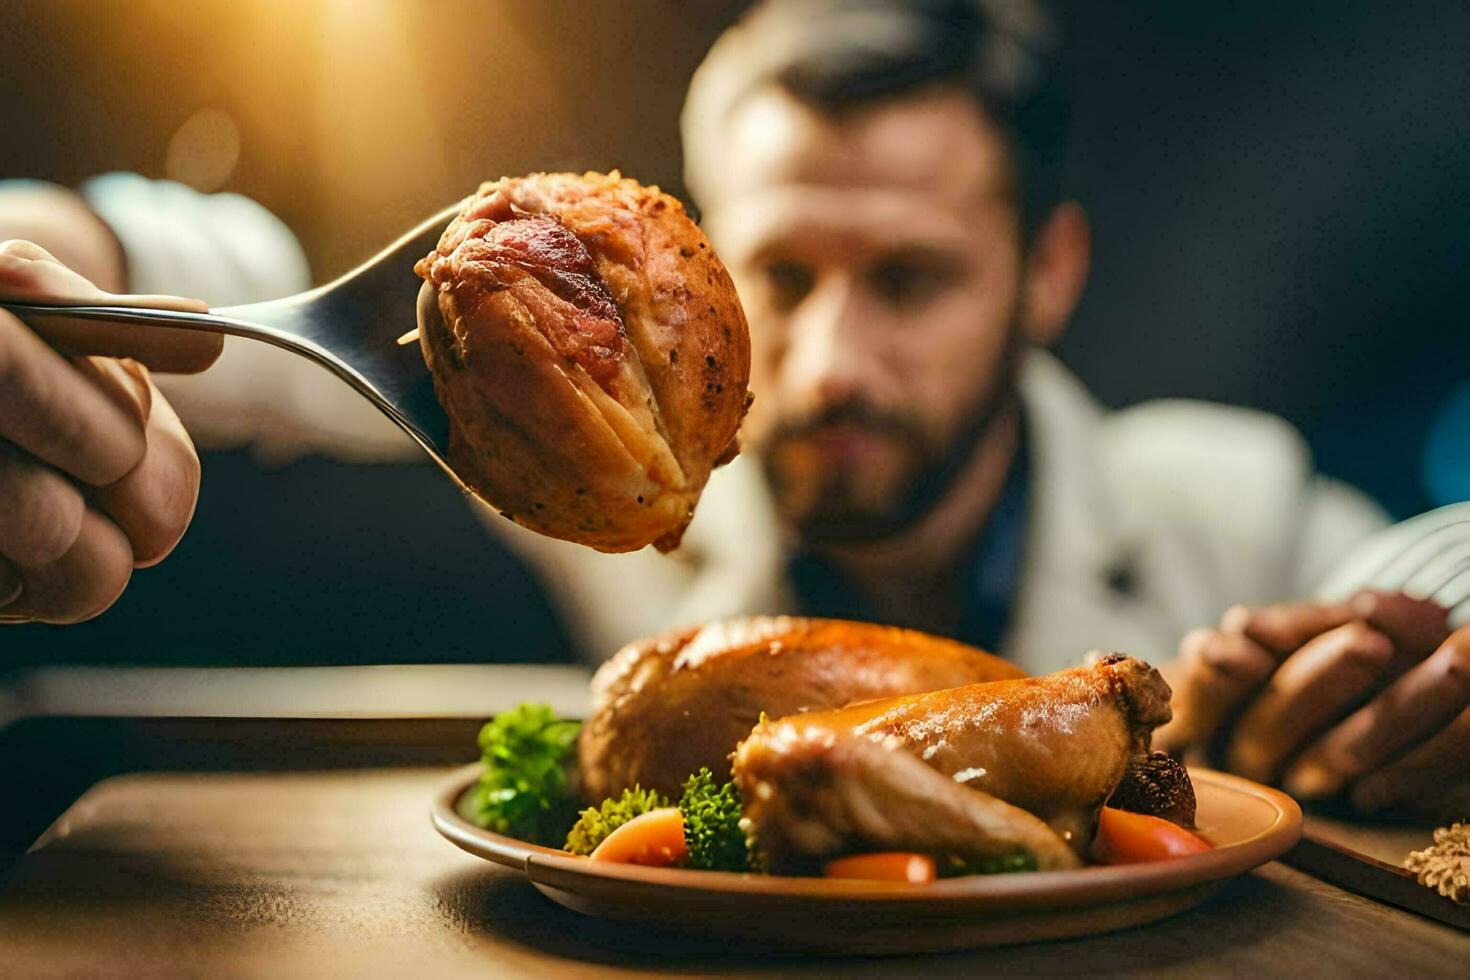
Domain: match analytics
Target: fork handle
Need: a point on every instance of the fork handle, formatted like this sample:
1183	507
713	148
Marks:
167	334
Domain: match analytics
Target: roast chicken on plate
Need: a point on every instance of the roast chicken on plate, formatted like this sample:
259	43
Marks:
664	707
851	738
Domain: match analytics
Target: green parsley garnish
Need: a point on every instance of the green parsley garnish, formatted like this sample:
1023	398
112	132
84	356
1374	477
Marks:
523	792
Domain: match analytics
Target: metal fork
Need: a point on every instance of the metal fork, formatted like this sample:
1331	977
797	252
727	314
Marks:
352	327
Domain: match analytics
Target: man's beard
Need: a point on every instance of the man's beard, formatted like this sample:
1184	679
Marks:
837	514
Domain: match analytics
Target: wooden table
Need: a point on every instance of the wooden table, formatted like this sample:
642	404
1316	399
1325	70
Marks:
336	872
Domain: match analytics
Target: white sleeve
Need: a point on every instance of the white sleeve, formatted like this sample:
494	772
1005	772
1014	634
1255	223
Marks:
222	248
227	250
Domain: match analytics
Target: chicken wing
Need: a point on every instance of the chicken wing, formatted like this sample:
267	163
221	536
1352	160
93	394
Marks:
976	771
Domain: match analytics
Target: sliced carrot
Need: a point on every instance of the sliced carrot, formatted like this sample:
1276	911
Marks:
1131	838
884	866
654	838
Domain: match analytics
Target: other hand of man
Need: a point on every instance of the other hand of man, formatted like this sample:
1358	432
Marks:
97	475
1367	699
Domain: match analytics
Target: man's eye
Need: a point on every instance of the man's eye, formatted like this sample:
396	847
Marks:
907	285
789	283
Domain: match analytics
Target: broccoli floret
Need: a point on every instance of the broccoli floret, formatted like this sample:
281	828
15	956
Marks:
596	822
523	792
712	824
956	867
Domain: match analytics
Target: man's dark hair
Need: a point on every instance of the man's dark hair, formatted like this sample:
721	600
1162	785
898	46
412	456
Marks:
837	55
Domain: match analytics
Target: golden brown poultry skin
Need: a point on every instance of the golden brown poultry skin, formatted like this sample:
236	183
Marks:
663	707
590	352
1049	750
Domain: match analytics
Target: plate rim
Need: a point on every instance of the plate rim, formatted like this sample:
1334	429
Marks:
1079	886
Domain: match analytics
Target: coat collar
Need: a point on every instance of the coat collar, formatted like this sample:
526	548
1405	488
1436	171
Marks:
1076	528
1079	583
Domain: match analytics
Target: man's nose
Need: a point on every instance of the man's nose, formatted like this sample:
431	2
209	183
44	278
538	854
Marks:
829	355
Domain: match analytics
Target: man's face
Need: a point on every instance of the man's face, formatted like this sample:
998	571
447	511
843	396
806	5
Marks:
878	259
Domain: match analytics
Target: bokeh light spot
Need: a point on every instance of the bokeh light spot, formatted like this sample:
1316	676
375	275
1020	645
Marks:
203	151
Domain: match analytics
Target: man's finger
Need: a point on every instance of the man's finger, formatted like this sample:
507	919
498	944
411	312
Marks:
1314	687
81	583
125	382
1416	626
153	503
1410	710
1214	673
1432	780
29	272
40	510
1284	627
52	410
166	350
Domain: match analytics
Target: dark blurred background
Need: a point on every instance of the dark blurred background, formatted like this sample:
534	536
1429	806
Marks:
1280	196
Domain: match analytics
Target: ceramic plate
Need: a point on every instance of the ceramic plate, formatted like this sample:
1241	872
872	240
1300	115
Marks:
1249	824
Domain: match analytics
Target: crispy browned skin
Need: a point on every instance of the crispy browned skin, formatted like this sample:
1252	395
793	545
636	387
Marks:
665	706
590	352
1005	765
